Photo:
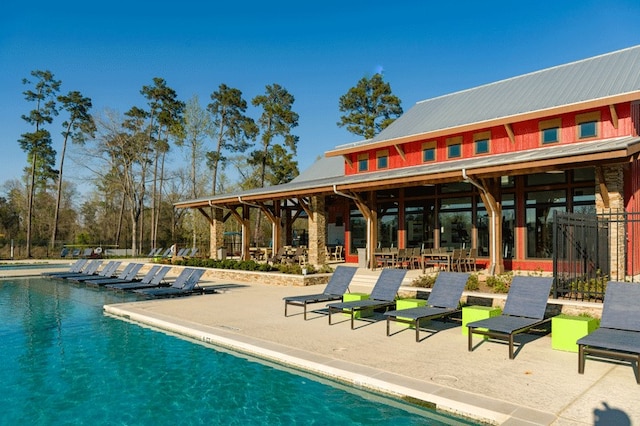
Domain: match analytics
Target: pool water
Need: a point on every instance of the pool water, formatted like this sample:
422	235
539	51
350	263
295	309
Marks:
19	266
65	363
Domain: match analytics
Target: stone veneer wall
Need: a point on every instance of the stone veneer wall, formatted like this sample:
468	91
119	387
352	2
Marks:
614	182
268	278
317	231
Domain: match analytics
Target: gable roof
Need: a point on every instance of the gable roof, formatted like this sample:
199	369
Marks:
592	82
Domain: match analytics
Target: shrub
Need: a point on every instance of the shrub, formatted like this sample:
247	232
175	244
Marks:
425	281
472	283
500	283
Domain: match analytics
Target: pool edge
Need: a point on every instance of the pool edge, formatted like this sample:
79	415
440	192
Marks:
474	406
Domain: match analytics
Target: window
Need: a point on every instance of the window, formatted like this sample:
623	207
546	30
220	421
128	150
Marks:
549	131
454	219
382	159
454	147
539	221
587	125
550	135
388	225
481	142
428	152
587	129
482	146
363	162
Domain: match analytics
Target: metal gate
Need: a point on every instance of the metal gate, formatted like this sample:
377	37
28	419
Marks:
590	250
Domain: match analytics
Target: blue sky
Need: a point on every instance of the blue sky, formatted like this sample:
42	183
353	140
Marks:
316	50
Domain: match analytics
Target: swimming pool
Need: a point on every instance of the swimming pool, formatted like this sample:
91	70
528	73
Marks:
20	266
64	362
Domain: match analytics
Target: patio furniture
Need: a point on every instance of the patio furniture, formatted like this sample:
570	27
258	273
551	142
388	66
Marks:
335	289
383	295
619	333
444	300
524	309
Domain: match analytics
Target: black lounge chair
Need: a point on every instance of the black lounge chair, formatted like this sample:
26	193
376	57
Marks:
184	285
75	268
127	275
335	289
383	295
523	310
619	333
444	300
107	272
153	278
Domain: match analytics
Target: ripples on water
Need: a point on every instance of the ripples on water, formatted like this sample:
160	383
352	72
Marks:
64	362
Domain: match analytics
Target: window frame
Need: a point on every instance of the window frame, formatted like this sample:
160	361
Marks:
380	155
479	137
429	147
553	124
454	141
363	159
589	117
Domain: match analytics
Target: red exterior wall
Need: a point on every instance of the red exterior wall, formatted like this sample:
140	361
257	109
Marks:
527	136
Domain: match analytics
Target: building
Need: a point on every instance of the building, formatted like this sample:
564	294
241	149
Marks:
484	167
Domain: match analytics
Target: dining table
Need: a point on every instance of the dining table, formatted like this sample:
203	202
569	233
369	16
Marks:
438	258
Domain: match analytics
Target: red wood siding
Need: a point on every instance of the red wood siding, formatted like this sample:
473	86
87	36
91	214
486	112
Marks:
527	136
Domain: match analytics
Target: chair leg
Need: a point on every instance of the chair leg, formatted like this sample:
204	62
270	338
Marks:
417	325
511	346
470	340
581	356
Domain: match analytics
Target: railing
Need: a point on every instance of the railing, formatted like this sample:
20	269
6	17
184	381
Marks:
590	250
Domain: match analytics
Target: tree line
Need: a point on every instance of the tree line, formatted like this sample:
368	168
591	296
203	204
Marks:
127	159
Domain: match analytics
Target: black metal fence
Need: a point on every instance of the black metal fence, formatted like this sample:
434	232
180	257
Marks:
590	250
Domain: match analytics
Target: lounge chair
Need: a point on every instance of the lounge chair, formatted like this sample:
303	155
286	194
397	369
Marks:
523	310
383	295
107	272
75	268
90	269
127	275
194	251
153	278
336	287
444	300
155	252
147	277
619	333
185	284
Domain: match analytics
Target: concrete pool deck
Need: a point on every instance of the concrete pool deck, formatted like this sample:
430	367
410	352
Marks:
540	386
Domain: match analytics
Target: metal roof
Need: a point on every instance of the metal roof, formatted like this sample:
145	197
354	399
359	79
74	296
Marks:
599	77
324	182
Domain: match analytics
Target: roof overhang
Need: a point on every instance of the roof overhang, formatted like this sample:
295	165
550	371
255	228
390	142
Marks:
553	158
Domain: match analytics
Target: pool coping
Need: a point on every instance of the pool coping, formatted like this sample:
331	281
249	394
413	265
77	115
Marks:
466	404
